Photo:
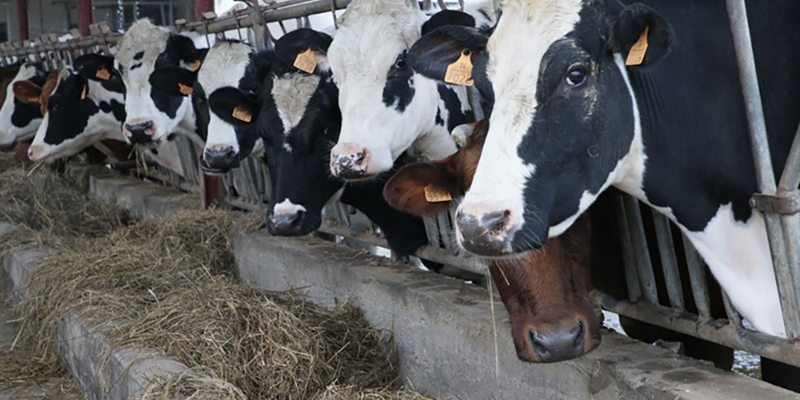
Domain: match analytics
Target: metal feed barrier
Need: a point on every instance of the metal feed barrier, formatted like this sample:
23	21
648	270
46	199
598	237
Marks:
247	188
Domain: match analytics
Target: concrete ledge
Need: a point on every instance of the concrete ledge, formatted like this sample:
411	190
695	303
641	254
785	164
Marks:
443	327
123	375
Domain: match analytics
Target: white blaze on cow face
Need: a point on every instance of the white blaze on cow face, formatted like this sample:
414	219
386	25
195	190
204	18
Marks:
136	60
292	93
382	117
499	182
98	126
224	66
8	131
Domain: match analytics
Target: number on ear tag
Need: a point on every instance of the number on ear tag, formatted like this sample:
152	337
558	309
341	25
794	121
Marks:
242	114
83	93
638	50
306	61
103	74
436	195
460	72
194	66
185	90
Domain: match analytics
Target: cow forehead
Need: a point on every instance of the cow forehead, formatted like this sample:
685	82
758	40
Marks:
292	93
145	38
224	65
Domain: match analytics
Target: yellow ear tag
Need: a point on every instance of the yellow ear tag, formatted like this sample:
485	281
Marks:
185	90
638	50
103	74
306	61
194	66
83	93
32	99
460	72
435	195
241	114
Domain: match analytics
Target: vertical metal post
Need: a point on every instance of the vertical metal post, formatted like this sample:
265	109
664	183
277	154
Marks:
765	175
640	249
789	182
669	261
628	258
22	19
697	277
85	16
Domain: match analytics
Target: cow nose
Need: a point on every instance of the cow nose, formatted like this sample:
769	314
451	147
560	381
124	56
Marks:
34	153
558	344
286	224
141	132
485	234
220	158
350	164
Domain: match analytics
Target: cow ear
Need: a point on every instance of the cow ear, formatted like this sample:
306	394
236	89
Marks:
95	67
234	106
194	59
447	17
27	92
422	189
174	81
435	52
305	49
642	35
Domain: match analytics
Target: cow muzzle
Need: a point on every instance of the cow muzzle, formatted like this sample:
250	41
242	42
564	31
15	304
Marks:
287	224
219	159
139	131
349	161
486	232
555	343
37	153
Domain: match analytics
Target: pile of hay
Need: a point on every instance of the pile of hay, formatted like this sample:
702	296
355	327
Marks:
169	285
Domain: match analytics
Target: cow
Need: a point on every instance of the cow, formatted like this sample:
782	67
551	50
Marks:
20	117
296	114
592	106
386	106
545	292
79	113
152	115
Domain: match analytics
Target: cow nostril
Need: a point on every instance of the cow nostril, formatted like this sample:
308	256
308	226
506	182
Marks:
147	124
297	219
495	222
538	348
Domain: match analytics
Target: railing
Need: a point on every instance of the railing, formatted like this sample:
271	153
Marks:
247	188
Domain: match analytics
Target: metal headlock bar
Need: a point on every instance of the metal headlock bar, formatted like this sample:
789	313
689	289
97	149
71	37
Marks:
248	188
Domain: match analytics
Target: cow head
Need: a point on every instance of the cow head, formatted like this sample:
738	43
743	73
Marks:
78	113
21	115
386	106
563	124
546	292
152	114
225	94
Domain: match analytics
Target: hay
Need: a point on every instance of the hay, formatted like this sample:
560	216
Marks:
168	285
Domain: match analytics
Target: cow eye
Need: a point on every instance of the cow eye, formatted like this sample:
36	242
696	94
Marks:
400	63
253	89
576	75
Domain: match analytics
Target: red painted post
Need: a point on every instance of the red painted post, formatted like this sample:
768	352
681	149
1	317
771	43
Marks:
85	16
22	19
202	6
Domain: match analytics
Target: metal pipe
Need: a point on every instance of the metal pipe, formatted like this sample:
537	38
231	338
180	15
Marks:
789	182
697	278
639	242
790	303
628	258
669	261
713	330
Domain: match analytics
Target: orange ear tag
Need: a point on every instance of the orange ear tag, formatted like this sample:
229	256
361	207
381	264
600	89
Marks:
460	72
241	114
638	50
306	61
103	74
436	195
83	93
194	66
32	99
185	90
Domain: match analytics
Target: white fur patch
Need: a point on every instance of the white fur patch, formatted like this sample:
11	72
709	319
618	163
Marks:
501	174
8	131
287	207
292	92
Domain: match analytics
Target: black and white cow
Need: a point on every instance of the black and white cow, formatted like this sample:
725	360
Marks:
386	106
20	117
569	119
296	114
152	114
